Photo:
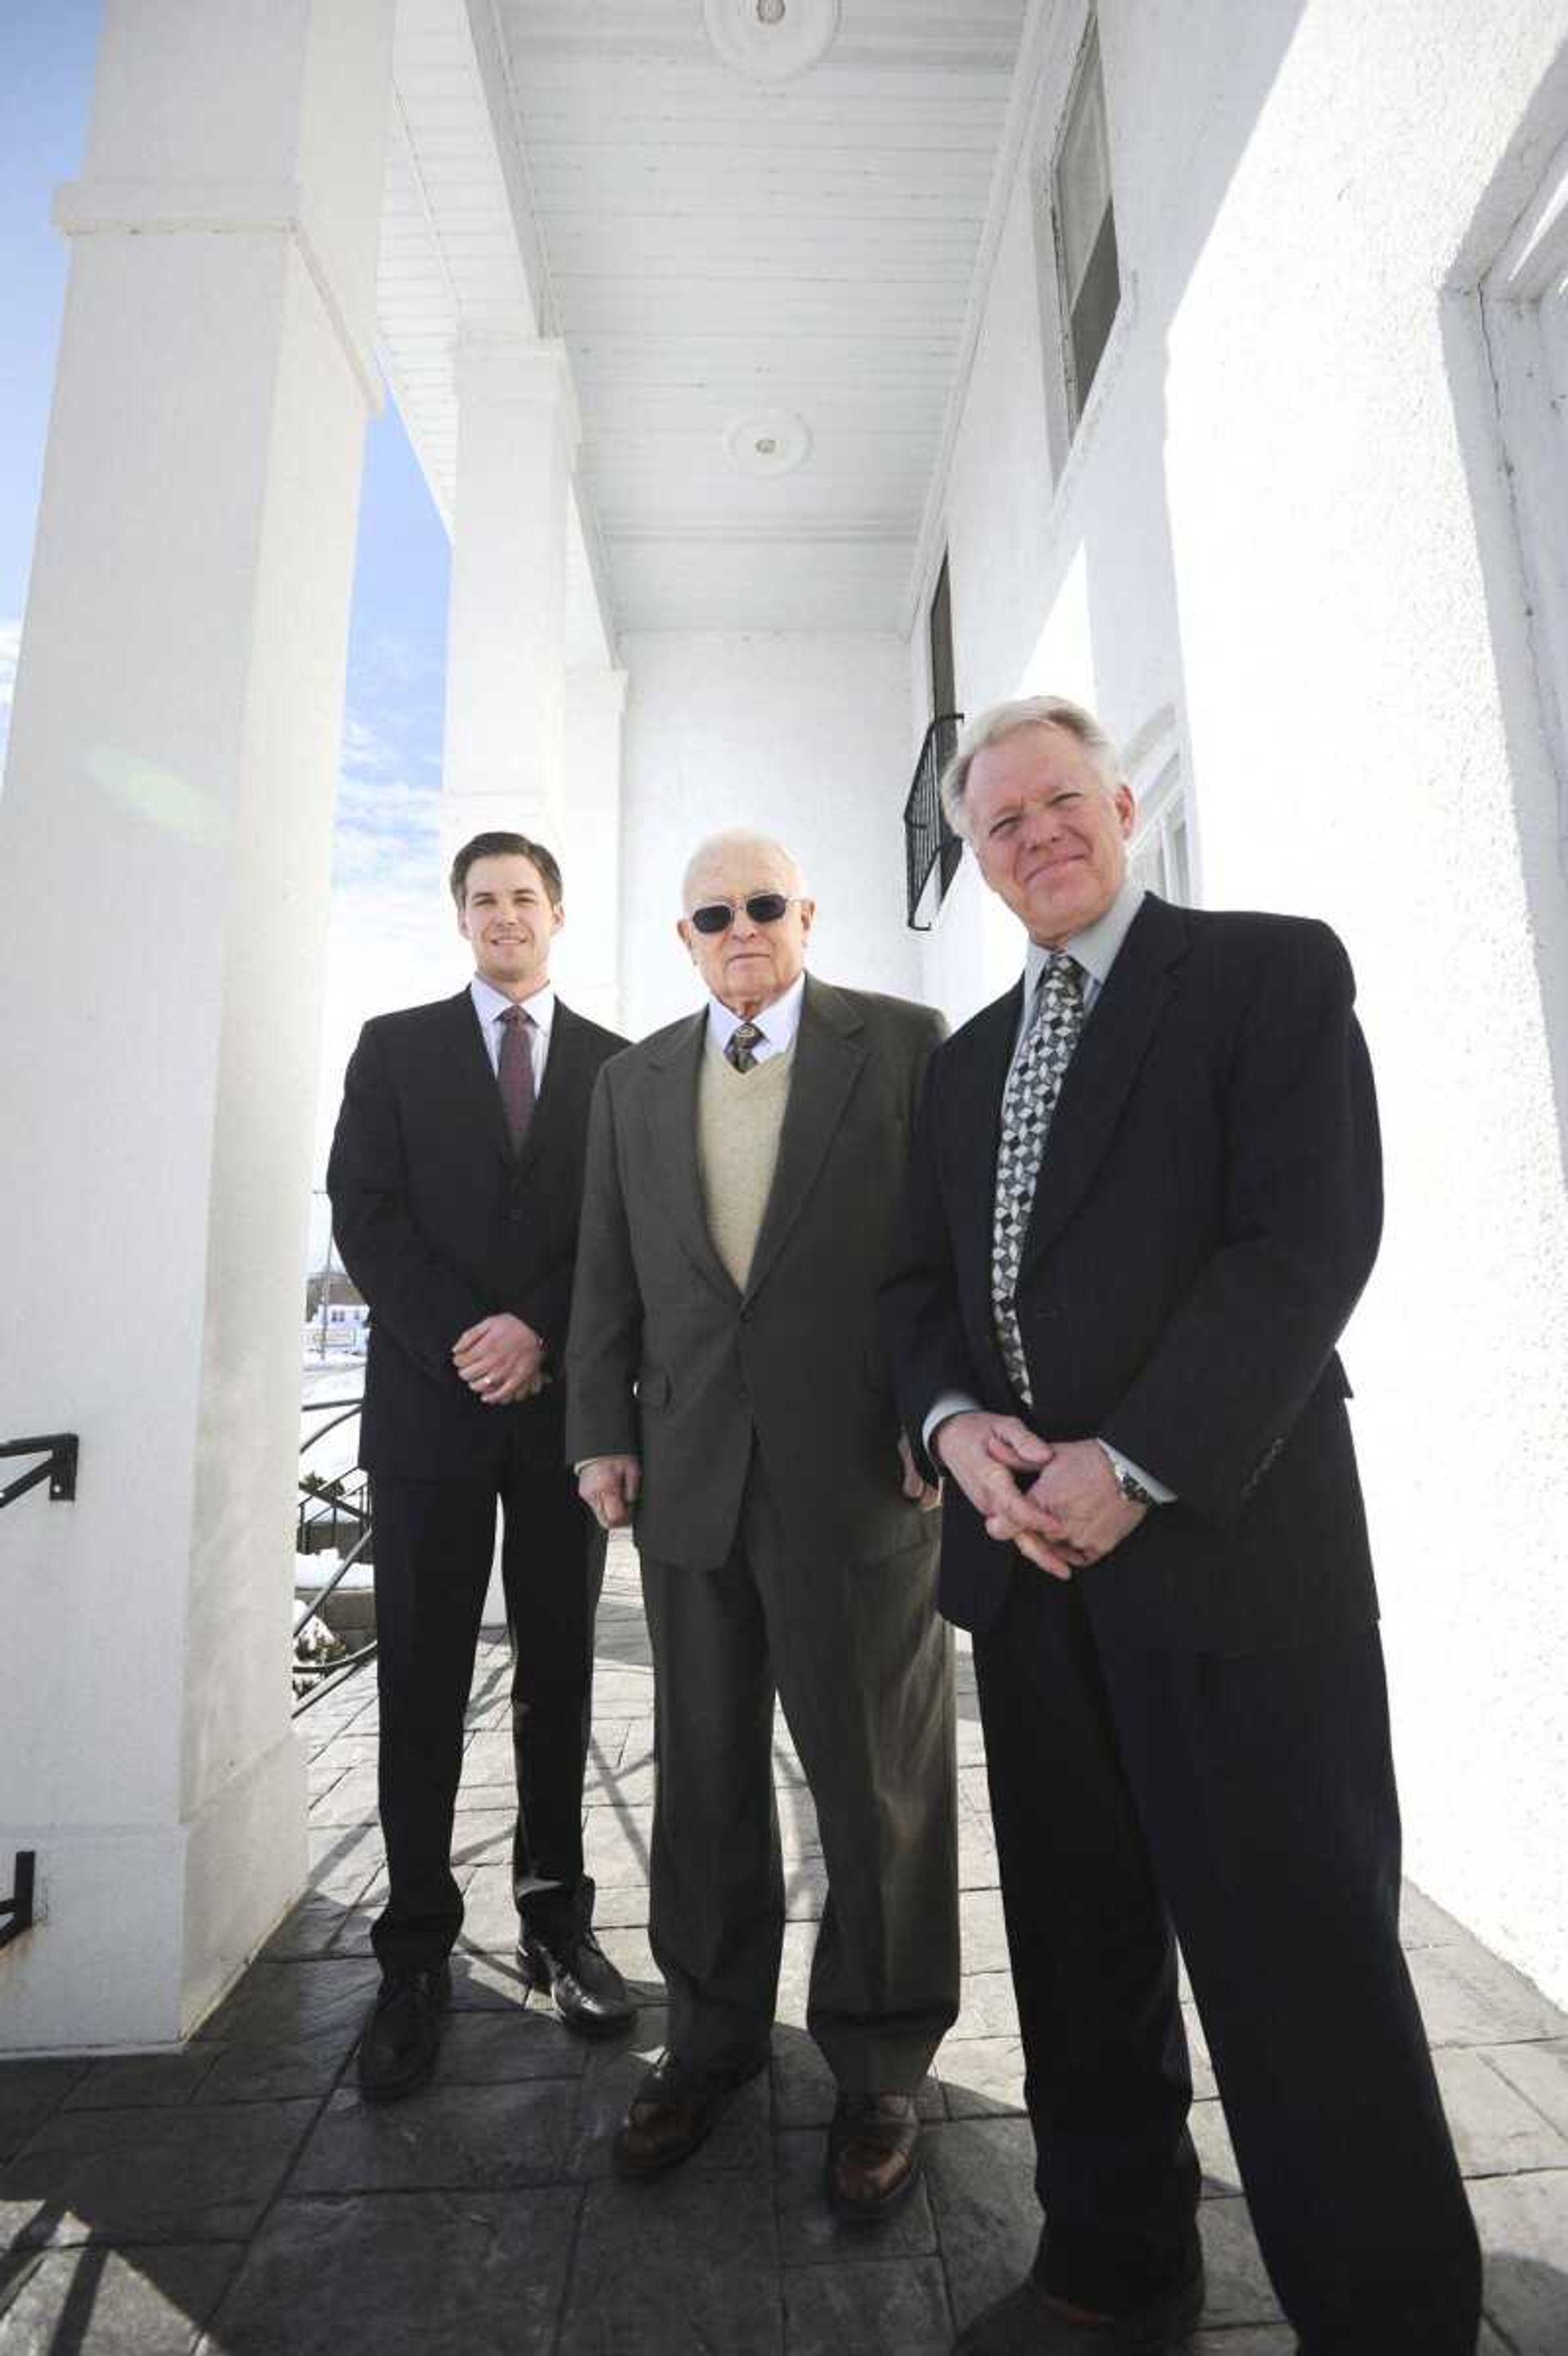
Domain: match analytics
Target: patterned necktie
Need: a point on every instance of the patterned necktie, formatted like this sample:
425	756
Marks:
515	1070
742	1041
1029	1102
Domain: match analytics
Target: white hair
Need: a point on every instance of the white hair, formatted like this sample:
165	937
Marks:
1006	720
732	839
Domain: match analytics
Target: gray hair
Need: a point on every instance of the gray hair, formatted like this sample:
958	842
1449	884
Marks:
714	846
1006	720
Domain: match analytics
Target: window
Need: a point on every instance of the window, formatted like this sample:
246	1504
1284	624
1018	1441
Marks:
1161	856
1084	226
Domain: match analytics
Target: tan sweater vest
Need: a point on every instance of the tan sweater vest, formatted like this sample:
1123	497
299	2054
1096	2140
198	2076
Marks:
739	1118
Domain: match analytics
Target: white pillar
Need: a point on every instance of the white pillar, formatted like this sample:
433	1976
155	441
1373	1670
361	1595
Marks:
587	961
506	671
164	864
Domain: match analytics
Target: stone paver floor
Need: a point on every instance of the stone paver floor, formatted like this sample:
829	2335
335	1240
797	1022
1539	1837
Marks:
238	2197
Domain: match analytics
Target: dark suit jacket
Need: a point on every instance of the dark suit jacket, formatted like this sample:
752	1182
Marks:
440	1225
670	1362
1207	1212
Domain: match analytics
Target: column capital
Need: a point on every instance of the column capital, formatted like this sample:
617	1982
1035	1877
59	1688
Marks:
503	370
226	208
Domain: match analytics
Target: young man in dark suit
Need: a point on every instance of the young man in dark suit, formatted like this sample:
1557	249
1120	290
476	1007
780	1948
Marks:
1145	1195
455	1176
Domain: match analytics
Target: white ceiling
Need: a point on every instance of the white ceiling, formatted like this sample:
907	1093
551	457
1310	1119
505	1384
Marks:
710	249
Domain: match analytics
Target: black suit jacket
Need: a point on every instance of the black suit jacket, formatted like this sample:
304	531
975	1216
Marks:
440	1225
1207	1210
670	1361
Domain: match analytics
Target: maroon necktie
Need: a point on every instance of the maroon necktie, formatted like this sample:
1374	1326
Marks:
515	1072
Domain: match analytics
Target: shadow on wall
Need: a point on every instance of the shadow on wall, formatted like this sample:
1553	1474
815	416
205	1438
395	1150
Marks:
1507	371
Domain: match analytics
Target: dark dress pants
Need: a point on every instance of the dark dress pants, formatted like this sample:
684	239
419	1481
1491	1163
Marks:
863	1667
1248	1802
434	1542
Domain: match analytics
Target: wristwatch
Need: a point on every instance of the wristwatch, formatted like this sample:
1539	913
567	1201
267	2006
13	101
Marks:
1131	1487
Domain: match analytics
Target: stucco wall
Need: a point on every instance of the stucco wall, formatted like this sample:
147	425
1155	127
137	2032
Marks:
802	736
1274	519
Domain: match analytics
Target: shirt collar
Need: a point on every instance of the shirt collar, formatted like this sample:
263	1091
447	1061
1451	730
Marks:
778	1022
490	1003
1096	949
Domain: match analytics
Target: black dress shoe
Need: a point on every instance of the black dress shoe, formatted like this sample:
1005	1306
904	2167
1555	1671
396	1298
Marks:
675	2109
402	2035
1029	2323
587	1990
873	2157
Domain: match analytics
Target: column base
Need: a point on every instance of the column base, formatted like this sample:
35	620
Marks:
141	1930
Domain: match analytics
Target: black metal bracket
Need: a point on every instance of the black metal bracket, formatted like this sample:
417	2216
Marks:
60	1450
17	1911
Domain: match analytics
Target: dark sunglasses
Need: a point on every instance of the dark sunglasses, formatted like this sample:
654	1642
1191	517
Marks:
762	907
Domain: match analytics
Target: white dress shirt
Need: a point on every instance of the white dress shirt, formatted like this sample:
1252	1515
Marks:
490	1005
778	1022
1095	950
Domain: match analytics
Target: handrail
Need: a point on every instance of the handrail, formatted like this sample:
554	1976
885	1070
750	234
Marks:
341	1411
929	842
16	1910
60	1449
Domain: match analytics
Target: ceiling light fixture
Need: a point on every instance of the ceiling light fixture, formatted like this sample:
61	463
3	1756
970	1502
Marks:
771	40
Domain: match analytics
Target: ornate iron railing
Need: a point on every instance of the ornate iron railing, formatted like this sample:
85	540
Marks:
347	1497
60	1450
930	847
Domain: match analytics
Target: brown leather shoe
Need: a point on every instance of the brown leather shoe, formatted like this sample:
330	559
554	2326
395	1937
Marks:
873	2157
675	2109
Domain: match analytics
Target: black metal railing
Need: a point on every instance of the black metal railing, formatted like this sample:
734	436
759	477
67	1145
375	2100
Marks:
60	1450
16	1910
326	1503
930	847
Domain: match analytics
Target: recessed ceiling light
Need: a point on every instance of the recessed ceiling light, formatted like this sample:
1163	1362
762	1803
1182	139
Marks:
770	12
768	442
770	40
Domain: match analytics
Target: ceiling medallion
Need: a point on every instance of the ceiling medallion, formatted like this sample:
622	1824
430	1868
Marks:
770	40
768	442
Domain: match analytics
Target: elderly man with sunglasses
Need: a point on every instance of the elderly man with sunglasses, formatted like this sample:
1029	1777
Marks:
727	1387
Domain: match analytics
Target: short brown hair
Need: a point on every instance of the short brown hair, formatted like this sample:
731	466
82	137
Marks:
505	846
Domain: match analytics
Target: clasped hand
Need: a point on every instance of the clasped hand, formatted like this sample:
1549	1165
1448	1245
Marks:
500	1359
1057	1501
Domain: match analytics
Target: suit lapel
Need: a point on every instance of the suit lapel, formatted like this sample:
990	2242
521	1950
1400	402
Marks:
1105	1064
672	1134
828	1055
475	1074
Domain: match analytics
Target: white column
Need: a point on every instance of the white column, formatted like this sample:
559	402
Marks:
165	862
517	438
587	961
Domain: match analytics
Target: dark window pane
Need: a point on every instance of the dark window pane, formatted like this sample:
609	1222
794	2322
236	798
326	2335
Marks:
1095	309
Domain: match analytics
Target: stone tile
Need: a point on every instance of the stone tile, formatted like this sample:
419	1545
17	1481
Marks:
282	2003
273	2073
483	2273
983	1931
626	1945
352	1800
482	1836
1239	2288
491	2048
1471	1997
29	2091
1538	2071
454	2138
191	2175
741	2140
977	1867
1523	2225
974	1793
615	1843
312	1927
620	1906
123	2081
987	2007
488	1759
688	2262
805	1888
1266	2339
351	1751
878	2309
487	1983
344	1859
1215	2152
809	2234
1423	1924
979	2176
144	2302
623	1787
1496	2132
983	2077
1204	2083
490	1911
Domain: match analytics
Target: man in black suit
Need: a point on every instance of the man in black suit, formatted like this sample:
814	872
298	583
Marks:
1145	1195
455	1176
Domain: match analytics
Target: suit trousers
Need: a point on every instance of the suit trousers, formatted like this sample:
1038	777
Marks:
862	1667
1246	1801
434	1543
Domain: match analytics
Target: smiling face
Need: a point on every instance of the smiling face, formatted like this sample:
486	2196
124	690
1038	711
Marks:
1049	829
748	965
508	920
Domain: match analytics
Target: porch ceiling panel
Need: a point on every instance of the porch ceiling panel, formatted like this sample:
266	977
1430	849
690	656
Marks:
715	248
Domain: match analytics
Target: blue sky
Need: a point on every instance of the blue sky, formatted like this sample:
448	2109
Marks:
392	938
